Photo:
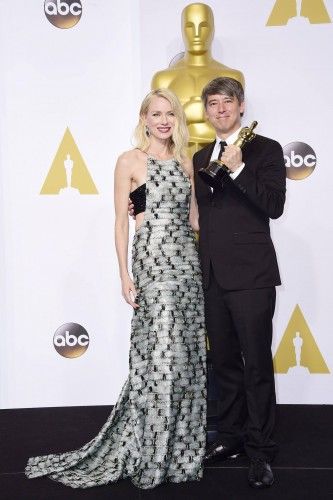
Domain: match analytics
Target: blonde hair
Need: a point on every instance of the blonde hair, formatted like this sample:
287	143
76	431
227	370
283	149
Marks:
180	136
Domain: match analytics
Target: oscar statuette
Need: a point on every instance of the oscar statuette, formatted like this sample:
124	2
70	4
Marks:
216	170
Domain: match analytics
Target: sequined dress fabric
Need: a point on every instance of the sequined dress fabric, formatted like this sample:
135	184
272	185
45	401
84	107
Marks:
156	431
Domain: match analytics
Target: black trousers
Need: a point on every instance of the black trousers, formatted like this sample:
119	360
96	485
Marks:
239	327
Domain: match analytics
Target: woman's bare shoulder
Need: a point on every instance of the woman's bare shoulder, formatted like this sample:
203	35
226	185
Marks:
130	158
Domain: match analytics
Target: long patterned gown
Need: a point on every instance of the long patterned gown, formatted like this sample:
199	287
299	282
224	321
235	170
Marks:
156	431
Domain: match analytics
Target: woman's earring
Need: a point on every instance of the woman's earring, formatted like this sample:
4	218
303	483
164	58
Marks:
147	131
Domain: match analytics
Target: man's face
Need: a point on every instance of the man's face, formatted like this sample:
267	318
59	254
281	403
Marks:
224	114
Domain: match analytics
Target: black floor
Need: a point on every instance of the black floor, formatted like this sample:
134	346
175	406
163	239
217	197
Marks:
303	469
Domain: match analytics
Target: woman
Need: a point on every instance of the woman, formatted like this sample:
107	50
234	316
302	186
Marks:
156	431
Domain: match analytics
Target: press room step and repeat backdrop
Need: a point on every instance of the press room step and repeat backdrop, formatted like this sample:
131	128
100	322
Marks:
73	74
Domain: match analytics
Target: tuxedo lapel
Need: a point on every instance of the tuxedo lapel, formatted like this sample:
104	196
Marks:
248	150
201	160
205	154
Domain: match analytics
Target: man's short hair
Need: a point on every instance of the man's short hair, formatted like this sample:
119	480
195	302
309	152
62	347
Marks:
223	85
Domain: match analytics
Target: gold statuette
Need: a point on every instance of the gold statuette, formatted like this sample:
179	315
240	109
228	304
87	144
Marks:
216	169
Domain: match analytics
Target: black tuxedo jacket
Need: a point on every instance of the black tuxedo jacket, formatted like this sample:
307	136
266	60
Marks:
234	220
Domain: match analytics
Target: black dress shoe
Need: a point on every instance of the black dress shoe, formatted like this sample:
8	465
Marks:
218	452
260	473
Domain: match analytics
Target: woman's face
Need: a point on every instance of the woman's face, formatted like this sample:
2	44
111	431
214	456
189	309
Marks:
160	118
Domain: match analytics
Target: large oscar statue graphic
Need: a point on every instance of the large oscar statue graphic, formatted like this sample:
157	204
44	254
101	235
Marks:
188	76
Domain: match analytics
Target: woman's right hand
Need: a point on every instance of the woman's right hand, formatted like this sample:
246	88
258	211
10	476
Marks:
129	291
131	208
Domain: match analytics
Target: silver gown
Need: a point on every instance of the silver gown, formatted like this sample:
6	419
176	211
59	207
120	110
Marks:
156	431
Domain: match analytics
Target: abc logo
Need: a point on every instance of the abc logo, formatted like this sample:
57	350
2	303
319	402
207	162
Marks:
300	160
63	13
71	340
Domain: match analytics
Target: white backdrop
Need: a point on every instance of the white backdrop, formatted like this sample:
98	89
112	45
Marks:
57	256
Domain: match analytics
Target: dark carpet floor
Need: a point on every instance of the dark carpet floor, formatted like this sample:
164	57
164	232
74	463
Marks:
303	468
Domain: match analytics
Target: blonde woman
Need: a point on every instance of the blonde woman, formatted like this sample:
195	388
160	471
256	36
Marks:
156	431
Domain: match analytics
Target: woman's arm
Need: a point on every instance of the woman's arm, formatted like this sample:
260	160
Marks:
194	212
122	186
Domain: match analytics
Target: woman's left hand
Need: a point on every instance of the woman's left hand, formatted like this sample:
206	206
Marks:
129	292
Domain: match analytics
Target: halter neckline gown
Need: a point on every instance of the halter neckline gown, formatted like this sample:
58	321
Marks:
156	431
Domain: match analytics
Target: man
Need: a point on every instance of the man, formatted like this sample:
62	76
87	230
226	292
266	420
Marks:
240	273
